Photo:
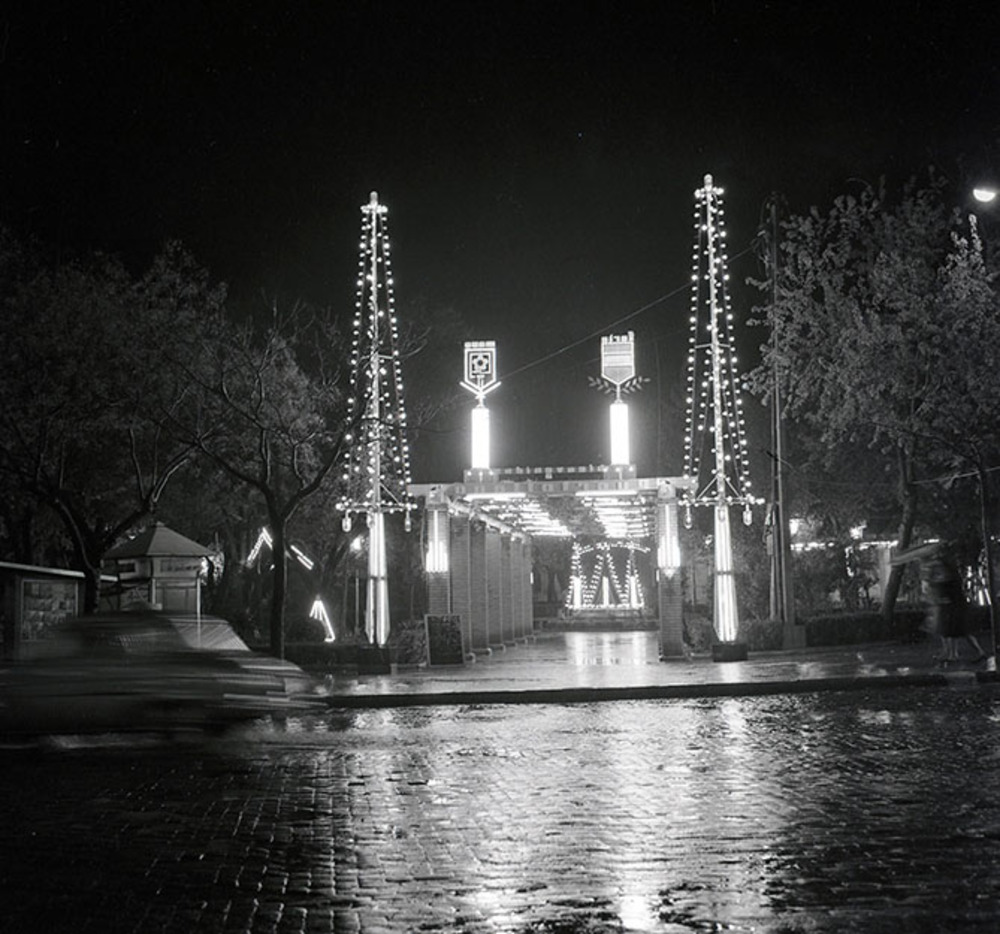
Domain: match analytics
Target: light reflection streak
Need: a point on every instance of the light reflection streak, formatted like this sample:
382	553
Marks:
678	841
609	648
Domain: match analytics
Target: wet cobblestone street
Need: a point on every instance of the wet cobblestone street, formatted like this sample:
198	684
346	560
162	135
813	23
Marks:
839	811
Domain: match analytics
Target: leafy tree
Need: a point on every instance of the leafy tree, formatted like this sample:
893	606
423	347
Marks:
885	324
270	415
83	388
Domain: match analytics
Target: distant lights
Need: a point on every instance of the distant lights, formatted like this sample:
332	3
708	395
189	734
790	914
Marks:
598	580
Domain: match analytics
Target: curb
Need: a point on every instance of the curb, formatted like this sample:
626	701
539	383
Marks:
658	692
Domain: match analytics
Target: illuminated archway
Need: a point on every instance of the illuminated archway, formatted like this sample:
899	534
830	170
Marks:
605	576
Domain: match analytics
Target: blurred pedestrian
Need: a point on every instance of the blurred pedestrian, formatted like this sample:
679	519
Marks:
948	614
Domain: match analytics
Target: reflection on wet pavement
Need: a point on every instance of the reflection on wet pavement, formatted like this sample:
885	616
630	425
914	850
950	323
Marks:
623	661
849	811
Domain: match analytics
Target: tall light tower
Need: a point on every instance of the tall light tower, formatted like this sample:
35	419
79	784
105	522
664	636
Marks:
377	474
714	410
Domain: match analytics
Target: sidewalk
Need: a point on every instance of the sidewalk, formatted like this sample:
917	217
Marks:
579	667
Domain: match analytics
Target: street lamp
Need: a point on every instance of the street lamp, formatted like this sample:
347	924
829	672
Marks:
986	194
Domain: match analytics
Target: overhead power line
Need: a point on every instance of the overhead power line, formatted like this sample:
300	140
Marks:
608	328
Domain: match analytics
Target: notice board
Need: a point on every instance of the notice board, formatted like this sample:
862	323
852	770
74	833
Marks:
44	604
444	640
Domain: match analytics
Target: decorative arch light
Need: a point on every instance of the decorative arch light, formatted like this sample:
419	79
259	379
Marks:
599	581
318	610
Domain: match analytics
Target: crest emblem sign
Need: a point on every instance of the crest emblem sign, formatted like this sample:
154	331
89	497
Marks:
480	367
618	358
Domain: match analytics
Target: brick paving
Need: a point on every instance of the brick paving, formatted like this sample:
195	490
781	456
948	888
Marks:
864	810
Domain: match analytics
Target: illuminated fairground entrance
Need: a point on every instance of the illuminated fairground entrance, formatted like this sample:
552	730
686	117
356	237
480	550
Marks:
620	532
617	532
621	529
484	532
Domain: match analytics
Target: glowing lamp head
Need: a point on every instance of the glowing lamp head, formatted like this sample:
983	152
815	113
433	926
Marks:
984	195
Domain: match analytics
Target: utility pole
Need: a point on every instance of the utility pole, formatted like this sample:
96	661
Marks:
782	590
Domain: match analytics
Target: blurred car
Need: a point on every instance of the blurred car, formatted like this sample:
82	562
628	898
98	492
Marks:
146	671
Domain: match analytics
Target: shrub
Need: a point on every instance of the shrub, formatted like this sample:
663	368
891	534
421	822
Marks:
762	635
323	656
863	626
408	641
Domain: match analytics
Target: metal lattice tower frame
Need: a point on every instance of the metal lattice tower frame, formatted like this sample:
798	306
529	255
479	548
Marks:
714	404
377	473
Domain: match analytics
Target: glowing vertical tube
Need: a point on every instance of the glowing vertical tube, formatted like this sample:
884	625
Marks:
437	542
726	616
480	437
620	442
377	610
668	551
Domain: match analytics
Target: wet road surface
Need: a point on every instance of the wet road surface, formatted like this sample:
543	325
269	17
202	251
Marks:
837	811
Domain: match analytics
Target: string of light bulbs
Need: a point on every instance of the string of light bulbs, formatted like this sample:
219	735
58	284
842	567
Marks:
377	470
713	380
629	593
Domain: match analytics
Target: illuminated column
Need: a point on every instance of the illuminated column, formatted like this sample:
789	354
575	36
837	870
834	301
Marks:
438	560
668	545
715	409
377	475
478	600
480	379
575	595
668	576
726	618
377	608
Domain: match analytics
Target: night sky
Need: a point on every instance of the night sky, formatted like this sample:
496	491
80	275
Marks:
538	159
